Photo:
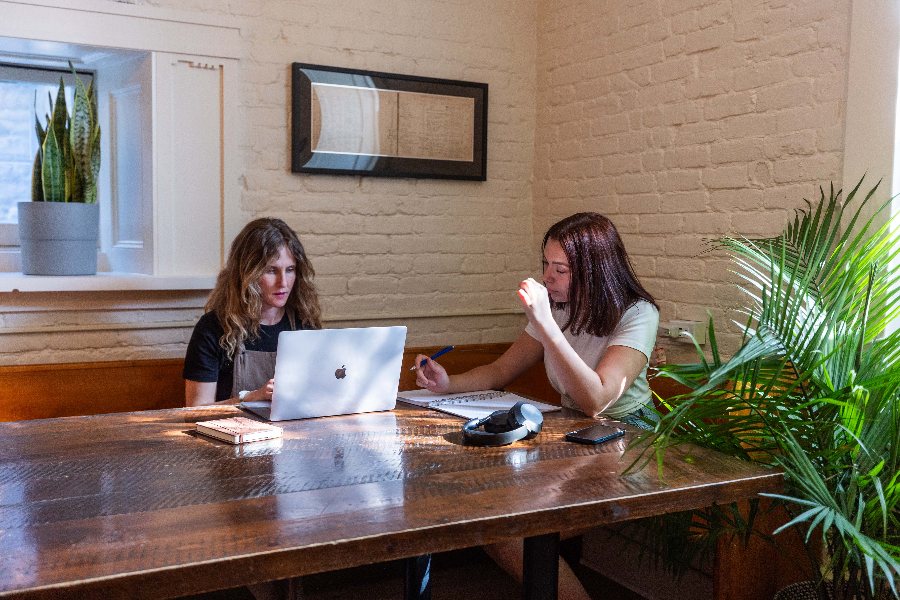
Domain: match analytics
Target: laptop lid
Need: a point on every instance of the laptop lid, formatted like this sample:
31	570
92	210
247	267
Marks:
325	372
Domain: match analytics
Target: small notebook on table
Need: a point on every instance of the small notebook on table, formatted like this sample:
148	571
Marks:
238	430
470	405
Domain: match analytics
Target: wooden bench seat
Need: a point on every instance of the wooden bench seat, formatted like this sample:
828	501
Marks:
76	389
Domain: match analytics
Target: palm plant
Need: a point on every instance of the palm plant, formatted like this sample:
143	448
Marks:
813	388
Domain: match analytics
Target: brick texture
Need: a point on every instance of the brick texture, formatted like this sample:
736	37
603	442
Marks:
680	119
405	250
738	108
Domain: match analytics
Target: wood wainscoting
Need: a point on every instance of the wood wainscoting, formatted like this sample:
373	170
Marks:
94	388
77	389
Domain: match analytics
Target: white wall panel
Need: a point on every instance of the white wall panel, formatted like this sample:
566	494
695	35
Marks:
127	214
127	172
191	186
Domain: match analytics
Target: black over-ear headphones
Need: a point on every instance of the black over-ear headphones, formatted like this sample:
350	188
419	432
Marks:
521	422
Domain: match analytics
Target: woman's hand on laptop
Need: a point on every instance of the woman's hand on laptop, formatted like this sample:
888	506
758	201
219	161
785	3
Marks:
431	376
262	394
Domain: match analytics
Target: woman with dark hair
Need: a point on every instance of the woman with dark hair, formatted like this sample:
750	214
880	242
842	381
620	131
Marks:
265	288
591	322
594	326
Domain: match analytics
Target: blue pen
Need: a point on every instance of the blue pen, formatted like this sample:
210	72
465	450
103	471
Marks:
440	352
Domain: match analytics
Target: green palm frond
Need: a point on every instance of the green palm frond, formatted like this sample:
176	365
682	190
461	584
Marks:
814	387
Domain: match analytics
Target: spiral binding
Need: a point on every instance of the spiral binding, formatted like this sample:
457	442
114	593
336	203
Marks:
464	399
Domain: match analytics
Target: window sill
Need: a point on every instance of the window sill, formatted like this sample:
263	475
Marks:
17	282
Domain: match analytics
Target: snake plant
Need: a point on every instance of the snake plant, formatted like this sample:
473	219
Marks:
814	388
67	162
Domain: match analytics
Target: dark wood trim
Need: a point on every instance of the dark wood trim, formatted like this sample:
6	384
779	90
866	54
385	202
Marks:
90	388
75	389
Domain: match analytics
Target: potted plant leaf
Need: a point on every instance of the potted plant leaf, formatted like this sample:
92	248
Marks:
59	229
814	390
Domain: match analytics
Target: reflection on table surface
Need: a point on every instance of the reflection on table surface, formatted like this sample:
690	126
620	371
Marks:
96	502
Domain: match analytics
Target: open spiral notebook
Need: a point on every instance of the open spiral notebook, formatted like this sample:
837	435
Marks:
470	405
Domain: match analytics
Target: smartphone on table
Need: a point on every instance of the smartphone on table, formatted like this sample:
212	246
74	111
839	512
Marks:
595	434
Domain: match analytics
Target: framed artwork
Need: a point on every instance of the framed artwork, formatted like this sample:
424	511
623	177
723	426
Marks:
352	122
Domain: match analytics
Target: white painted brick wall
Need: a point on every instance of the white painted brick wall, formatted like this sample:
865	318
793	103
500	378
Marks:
391	247
679	119
699	117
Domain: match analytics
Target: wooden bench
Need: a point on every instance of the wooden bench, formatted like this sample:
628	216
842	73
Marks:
77	389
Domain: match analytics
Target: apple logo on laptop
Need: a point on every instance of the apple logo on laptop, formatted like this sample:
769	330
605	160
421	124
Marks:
340	373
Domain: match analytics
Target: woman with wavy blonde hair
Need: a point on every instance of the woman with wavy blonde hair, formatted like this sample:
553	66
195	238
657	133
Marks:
265	288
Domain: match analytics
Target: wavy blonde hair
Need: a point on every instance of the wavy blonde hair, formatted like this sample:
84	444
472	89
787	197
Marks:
237	298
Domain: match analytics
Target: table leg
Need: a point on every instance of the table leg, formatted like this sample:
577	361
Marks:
540	567
418	578
285	589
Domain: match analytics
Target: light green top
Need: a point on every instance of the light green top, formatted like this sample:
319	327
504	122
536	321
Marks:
637	329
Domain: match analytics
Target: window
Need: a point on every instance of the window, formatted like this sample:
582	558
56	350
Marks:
872	121
24	91
167	104
870	142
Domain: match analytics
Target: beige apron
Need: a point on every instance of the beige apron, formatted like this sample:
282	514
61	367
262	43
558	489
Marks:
252	370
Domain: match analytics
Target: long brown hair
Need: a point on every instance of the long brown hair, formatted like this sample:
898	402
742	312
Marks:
237	298
603	284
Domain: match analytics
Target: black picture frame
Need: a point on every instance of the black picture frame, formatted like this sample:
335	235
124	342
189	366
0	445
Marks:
305	160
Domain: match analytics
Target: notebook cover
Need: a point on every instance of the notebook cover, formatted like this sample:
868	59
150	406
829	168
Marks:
238	430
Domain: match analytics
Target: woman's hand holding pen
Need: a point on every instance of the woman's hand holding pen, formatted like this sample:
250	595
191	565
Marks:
431	376
537	304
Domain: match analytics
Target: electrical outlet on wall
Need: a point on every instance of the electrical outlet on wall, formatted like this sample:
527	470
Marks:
679	330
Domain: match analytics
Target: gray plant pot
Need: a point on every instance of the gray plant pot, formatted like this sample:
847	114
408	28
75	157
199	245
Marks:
59	238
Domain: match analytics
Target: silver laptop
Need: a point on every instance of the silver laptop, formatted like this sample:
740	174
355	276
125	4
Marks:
324	372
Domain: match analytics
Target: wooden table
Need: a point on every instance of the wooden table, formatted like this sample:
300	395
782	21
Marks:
136	505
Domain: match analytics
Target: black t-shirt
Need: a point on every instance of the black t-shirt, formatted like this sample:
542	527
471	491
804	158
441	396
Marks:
205	360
